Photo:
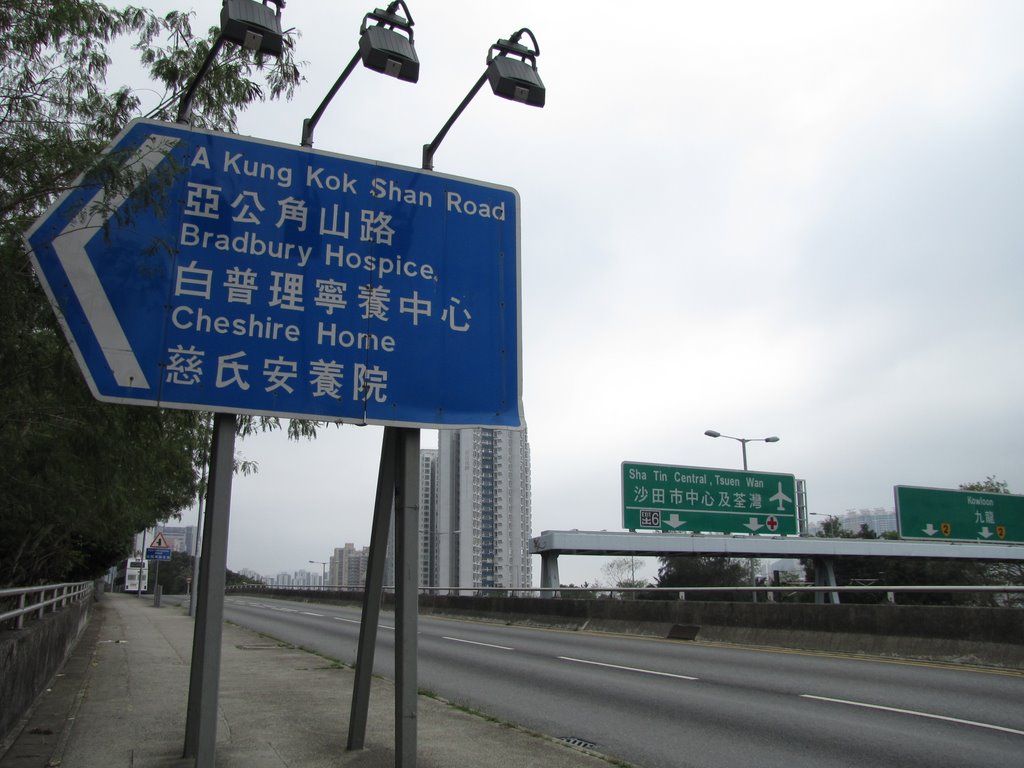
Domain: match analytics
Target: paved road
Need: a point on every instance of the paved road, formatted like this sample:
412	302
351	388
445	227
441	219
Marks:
663	704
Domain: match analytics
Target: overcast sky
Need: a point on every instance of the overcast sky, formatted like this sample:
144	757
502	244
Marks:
800	219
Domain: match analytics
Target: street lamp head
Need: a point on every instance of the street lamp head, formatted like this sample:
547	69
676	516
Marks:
512	73
382	48
253	25
772	439
512	70
712	433
387	46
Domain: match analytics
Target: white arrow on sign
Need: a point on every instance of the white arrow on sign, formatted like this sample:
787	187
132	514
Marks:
753	525
985	532
70	247
931	530
674	521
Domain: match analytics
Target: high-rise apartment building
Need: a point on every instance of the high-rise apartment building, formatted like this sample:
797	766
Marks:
475	510
348	566
879	520
428	517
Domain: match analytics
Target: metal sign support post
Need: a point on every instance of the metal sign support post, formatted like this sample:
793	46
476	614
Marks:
398	486
201	722
157	591
142	566
374	587
193	591
406	597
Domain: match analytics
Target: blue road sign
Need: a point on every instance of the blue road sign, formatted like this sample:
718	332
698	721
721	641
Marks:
248	276
158	553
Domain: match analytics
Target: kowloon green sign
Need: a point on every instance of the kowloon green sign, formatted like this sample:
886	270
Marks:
937	515
673	498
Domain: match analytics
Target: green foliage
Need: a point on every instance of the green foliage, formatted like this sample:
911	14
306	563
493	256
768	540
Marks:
591	594
697	571
82	477
988	485
172	575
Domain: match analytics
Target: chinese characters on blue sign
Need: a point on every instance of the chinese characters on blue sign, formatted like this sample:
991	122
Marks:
282	280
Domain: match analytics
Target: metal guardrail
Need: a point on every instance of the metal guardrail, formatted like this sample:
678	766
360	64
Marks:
680	591
35	600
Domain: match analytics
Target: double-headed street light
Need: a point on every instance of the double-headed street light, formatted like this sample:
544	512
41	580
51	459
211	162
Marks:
385	47
512	73
742	441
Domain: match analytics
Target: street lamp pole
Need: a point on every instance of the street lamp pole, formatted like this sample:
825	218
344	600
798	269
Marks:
386	46
743	442
323	578
255	27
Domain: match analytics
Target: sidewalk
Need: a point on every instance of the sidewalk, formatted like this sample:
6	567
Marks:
120	700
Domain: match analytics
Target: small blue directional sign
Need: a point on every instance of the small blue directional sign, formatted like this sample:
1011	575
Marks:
247	276
158	553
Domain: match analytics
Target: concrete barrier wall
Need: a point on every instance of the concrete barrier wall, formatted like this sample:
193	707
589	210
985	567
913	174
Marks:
988	636
991	636
30	657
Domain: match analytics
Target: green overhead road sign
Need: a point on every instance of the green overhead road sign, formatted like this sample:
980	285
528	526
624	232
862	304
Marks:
935	514
671	498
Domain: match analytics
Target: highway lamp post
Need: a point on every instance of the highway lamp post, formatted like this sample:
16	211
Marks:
512	72
323	578
256	27
743	442
386	46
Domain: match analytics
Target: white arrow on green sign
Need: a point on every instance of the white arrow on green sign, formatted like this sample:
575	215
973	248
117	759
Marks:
944	515
676	498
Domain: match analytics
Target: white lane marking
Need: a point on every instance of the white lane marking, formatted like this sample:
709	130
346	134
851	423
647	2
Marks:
473	642
628	669
358	621
915	713
308	613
